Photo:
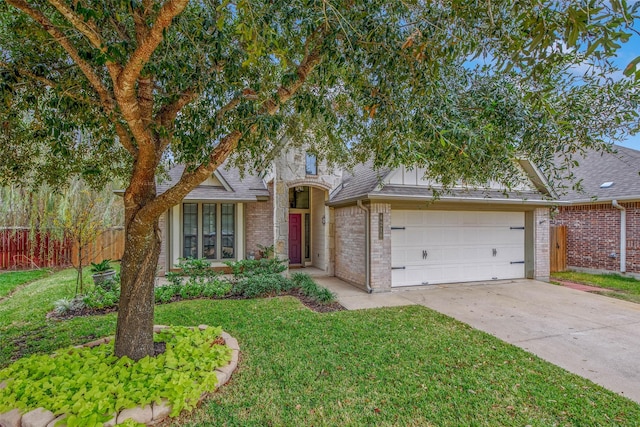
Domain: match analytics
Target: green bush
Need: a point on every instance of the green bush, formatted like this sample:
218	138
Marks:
311	289
262	285
163	294
256	267
100	297
215	288
91	384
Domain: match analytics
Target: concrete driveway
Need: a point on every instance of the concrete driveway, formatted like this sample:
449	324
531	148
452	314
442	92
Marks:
594	336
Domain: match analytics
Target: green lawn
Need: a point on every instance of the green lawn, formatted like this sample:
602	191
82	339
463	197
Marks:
11	280
403	366
627	288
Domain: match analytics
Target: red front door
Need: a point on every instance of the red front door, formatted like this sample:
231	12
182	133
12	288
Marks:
295	238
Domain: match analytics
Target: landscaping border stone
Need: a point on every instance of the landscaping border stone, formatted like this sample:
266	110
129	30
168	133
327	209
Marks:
149	414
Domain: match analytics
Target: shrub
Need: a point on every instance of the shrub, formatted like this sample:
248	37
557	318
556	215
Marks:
256	267
163	294
262	285
112	284
65	306
100	297
311	289
216	289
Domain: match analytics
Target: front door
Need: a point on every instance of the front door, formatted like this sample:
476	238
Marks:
295	238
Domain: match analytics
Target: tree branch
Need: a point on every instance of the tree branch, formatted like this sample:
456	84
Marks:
125	139
125	83
190	180
143	52
53	85
105	97
88	29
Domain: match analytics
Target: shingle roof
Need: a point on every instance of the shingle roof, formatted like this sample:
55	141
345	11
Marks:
364	182
360	181
594	169
245	189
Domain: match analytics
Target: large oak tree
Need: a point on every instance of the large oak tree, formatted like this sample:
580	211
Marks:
118	88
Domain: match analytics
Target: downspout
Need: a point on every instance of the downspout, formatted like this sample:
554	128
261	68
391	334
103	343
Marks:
623	235
367	246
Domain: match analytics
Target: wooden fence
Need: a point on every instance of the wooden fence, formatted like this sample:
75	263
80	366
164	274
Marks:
558	249
19	249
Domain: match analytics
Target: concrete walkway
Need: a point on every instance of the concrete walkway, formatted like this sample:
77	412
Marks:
594	336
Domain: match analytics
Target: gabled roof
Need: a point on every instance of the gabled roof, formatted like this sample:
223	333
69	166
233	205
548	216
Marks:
621	168
247	189
364	182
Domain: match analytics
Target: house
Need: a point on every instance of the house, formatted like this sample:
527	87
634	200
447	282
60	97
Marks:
603	220
375	229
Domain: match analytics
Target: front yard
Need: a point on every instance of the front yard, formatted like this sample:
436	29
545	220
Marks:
394	366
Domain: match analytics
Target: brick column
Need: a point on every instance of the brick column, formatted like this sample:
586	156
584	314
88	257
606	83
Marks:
380	247
541	239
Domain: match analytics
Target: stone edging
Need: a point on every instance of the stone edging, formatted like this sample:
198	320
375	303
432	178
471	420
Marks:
149	415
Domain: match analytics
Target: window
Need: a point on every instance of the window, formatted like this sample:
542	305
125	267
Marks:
200	225
299	197
311	164
228	230
190	230
209	231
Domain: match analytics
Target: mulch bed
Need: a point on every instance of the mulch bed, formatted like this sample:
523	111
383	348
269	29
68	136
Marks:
305	300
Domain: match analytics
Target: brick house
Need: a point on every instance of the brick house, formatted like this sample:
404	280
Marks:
375	229
603	220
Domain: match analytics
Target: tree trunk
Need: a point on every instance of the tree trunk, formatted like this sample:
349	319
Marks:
134	331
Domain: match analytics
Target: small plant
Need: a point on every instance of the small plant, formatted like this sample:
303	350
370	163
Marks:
253	267
216	289
262	285
102	266
181	374
311	289
66	306
100	297
164	294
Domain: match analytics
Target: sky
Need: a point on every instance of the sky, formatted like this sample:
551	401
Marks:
626	54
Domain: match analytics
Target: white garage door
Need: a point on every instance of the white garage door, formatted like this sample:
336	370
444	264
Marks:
430	247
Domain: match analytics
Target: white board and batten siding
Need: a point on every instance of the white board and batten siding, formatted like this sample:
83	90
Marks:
430	247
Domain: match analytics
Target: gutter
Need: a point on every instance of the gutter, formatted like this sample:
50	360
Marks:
623	235
367	246
389	197
632	198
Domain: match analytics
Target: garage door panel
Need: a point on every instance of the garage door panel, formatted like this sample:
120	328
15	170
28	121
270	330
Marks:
460	246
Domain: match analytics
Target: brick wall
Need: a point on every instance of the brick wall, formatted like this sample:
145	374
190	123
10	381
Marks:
380	248
258	224
593	234
349	245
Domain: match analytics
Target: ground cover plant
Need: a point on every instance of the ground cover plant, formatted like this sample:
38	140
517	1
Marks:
393	366
195	279
623	287
10	280
90	385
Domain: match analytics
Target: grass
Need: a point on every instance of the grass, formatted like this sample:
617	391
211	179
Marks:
404	366
11	280
625	287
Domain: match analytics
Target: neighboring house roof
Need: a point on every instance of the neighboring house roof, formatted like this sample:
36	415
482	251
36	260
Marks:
364	182
231	187
620	168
